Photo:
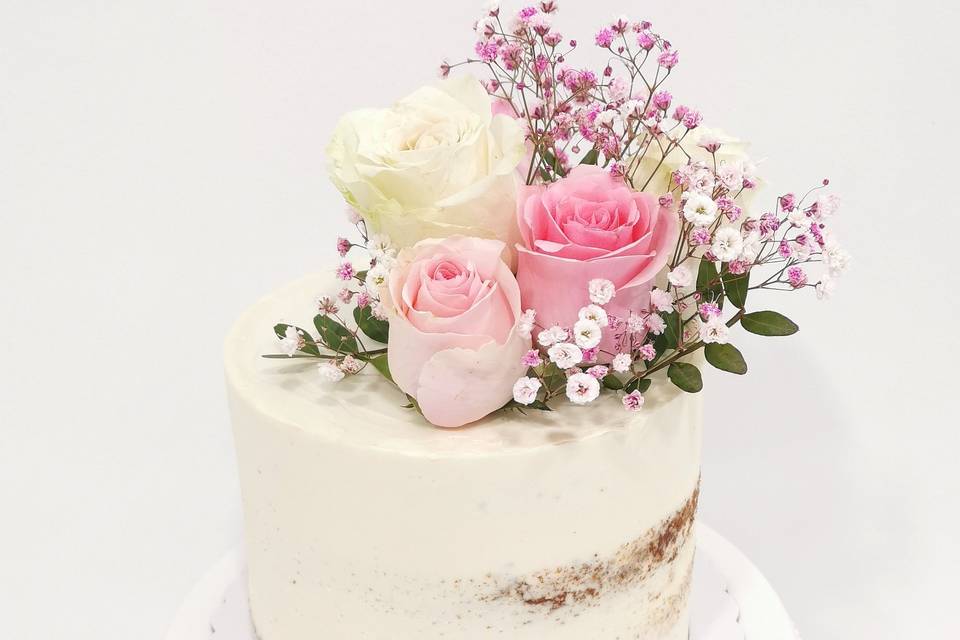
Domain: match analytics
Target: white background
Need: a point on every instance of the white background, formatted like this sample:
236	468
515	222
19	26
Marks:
161	167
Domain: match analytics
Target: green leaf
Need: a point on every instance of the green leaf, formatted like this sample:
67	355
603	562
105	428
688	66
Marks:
377	329
334	335
708	281
638	384
736	287
380	364
591	157
553	162
312	349
768	323
673	331
726	357
612	382
361	276
540	405
686	376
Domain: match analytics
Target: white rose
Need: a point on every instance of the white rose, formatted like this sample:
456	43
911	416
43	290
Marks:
436	164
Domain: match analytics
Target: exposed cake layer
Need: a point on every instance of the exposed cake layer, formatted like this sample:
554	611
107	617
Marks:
363	521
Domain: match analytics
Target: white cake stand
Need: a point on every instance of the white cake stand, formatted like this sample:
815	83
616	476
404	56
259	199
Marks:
731	599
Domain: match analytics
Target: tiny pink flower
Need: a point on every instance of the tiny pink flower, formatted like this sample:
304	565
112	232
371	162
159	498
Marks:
797	277
604	38
662	100
346	271
598	371
709	310
666	200
633	401
700	236
645	40
647	352
590	355
363	300
738	267
343	246
668	59
327	305
531	359
345	295
785	250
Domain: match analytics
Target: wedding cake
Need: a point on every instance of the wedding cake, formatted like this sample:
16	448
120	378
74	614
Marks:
363	521
484	422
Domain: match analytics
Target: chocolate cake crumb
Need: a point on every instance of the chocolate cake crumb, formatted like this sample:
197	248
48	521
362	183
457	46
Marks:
629	565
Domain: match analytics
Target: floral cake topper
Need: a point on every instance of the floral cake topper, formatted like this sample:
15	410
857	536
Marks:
551	233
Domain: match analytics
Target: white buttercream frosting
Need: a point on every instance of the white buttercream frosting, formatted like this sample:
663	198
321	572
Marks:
363	521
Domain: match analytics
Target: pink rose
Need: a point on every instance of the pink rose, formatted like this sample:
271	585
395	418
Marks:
586	226
454	343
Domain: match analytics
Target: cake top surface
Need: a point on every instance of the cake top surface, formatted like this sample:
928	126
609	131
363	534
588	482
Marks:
367	411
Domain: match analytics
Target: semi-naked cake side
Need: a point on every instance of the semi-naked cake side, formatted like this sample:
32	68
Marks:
365	522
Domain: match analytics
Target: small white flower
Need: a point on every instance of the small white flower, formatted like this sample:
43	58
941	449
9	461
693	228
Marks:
377	276
631	109
798	218
655	324
380	247
826	287
350	365
596	313
552	336
565	355
700	209
801	250
353	216
525	324
835	258
587	334
621	362
379	311
727	243
730	175
329	372
582	388
714	330
661	300
752	245
525	390
291	342
680	277
606	118
827	205
601	291
636	324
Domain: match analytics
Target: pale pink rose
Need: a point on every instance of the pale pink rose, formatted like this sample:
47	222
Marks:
455	343
588	226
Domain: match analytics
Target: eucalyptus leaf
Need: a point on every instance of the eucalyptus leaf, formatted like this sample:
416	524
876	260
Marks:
725	357
334	335
673	330
768	323
708	280
736	287
380	363
686	376
377	329
638	384
591	157
612	382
